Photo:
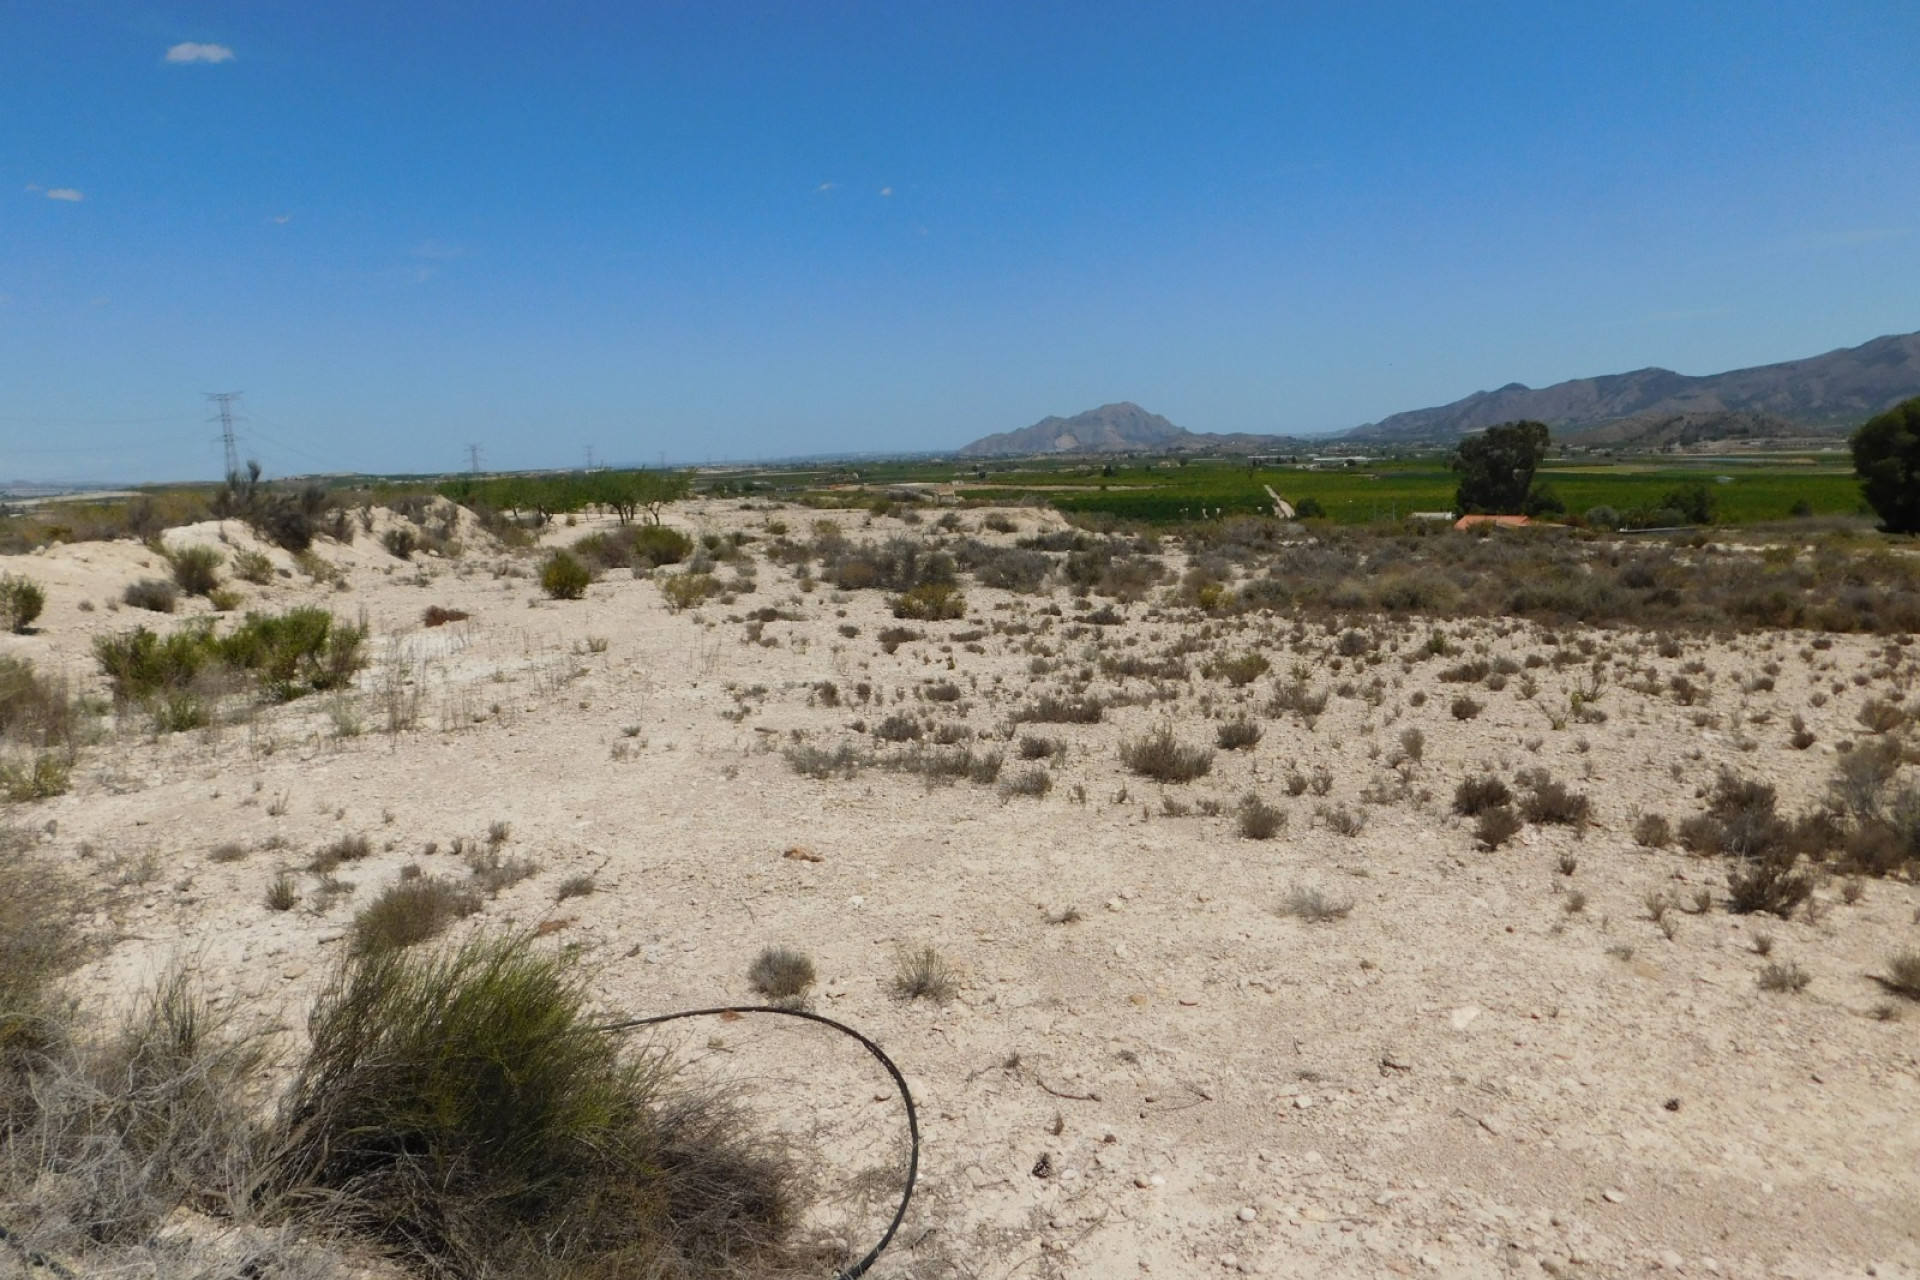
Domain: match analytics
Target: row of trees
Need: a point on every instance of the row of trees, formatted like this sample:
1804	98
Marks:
1497	472
536	499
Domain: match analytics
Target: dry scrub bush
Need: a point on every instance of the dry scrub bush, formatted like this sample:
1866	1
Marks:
1549	802
1474	796
821	762
1315	906
410	912
781	974
930	602
1238	734
1652	831
462	1108
922	973
1162	757
1784	976
1034	782
152	594
1258	820
1903	974
1496	826
1057	709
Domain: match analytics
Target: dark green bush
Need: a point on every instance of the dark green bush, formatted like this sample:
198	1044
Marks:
21	601
462	1107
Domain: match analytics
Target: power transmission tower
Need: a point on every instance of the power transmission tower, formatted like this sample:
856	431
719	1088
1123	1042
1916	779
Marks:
225	418
473	458
589	458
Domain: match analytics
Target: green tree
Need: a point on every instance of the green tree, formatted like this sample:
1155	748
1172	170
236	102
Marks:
1496	468
1886	457
1694	501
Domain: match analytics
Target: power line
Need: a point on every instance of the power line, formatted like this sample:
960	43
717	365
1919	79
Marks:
225	400
473	458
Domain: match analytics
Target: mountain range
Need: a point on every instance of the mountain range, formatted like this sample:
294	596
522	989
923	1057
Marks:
1823	395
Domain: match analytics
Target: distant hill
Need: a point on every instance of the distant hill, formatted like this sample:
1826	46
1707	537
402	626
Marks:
1828	393
1732	428
1112	428
1800	400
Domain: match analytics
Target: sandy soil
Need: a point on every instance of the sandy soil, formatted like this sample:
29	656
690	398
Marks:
1461	1077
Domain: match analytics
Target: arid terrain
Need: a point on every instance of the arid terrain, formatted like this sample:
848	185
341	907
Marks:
1288	1017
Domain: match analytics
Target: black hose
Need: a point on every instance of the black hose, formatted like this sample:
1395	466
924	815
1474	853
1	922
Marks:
861	1267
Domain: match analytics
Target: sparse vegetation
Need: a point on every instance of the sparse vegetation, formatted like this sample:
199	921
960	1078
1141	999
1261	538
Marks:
1162	757
922	973
1258	820
1315	906
21	602
410	912
781	974
563	577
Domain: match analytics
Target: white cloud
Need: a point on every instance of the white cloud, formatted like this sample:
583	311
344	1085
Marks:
282	219
65	193
826	186
886	191
189	51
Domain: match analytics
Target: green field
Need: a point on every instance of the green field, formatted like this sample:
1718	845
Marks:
1745	490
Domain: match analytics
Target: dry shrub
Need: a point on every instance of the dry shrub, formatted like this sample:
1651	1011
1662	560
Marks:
1475	796
1903	974
1784	976
1058	709
1549	802
462	1108
1037	748
1258	820
410	912
105	1141
1465	708
922	973
437	616
781	974
1496	826
821	762
1162	757
1652	831
1770	884
930	602
1315	906
1034	782
1238	734
38	943
153	594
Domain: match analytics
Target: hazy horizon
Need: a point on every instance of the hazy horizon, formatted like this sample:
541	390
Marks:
770	231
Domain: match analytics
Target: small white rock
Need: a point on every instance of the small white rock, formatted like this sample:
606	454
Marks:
1247	1214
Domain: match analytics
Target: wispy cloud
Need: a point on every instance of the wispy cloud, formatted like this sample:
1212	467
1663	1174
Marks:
886	191
282	219
191	51
71	195
826	186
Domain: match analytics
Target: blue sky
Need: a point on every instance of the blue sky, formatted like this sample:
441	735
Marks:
710	230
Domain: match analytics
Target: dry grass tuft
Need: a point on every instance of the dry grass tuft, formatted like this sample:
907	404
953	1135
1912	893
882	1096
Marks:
1315	906
922	973
781	974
